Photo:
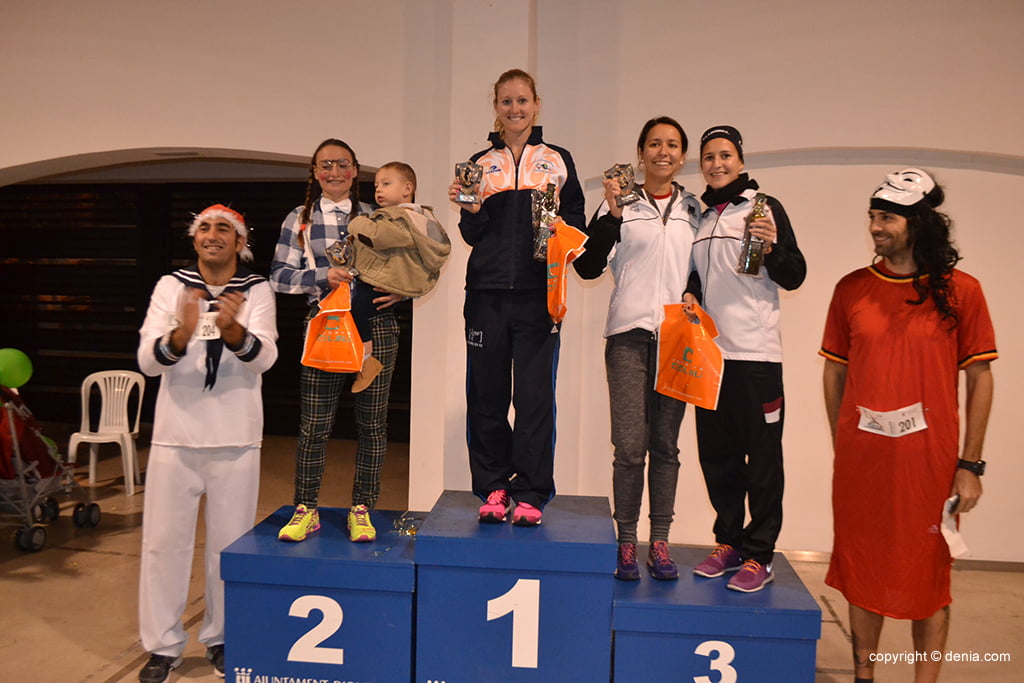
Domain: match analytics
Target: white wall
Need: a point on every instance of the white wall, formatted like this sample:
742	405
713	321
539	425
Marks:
829	99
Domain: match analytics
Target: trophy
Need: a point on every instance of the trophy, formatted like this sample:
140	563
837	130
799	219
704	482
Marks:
624	176
340	255
545	208
752	248
468	174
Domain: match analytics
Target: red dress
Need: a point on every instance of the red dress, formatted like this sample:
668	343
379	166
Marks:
888	554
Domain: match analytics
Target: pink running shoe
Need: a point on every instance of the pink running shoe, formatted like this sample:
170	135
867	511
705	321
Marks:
526	515
495	510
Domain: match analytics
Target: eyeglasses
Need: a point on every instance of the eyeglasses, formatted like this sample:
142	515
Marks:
328	164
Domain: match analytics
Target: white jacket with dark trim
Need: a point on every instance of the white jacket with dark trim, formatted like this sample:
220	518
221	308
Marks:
745	308
649	255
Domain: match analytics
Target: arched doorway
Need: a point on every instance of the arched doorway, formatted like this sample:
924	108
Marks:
82	249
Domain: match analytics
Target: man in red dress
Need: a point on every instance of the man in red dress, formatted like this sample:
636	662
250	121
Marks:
896	336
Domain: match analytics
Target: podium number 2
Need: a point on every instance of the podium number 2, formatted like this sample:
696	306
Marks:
720	663
307	648
523	602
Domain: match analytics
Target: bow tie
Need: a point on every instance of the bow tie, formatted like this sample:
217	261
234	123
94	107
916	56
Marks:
326	205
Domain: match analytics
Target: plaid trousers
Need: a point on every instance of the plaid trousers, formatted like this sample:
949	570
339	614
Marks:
319	393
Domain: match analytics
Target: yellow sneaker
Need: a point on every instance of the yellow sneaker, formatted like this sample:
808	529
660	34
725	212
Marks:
304	522
360	528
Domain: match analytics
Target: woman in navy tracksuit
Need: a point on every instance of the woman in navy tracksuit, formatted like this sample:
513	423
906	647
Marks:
511	342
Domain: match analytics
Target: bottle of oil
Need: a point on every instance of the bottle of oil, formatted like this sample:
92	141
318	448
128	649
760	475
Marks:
545	209
752	248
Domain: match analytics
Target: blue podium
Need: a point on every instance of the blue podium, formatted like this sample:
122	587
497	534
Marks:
464	601
696	629
325	609
496	602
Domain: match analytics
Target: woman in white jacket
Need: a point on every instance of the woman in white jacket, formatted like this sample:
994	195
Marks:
647	244
740	443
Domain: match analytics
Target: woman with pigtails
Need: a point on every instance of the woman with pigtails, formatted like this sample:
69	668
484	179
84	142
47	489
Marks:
301	266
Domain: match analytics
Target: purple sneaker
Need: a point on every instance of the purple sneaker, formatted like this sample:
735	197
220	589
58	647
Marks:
495	510
724	558
626	568
752	577
660	564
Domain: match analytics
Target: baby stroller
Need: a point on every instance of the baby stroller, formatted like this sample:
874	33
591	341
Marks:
31	473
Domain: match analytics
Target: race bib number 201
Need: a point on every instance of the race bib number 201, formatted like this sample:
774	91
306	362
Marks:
894	423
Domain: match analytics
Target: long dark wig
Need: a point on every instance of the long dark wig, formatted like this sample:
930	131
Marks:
935	255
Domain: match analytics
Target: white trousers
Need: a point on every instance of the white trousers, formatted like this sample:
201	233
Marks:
176	480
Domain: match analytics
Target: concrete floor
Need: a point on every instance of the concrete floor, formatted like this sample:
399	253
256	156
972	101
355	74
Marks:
69	611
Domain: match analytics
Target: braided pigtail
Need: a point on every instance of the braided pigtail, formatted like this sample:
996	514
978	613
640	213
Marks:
353	194
307	206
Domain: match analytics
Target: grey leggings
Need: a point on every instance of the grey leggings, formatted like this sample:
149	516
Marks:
643	422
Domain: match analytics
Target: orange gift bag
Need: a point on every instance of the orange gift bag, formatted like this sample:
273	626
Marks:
565	244
332	340
689	361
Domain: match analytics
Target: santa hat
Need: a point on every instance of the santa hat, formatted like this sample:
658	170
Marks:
233	218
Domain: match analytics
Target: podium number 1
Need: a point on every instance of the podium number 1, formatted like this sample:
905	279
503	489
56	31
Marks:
523	602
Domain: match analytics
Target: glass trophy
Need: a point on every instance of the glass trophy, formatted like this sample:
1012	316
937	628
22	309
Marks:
623	174
468	174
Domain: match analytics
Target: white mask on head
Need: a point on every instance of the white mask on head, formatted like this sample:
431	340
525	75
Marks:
906	187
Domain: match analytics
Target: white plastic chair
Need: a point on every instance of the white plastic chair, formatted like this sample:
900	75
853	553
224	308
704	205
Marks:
114	425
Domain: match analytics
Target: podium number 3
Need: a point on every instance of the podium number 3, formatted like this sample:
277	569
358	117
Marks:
523	602
720	663
307	648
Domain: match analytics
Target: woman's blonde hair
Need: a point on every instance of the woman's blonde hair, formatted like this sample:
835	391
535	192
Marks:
504	78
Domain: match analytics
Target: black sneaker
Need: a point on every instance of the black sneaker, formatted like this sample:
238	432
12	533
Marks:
158	668
215	653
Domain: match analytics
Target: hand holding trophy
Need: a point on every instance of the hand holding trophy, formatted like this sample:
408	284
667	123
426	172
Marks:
623	174
468	174
339	254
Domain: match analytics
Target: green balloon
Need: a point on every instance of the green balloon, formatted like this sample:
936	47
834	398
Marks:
15	368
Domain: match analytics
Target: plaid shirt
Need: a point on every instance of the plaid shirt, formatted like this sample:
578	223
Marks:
291	271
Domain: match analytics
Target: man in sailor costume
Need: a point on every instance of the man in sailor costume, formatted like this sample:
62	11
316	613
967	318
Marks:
209	334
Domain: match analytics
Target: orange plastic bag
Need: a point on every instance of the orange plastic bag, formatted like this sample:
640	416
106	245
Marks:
564	246
332	340
689	361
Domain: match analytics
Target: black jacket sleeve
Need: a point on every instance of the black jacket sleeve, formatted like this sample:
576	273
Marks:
785	264
602	234
693	286
570	200
472	225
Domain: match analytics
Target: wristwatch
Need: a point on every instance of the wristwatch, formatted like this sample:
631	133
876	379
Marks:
976	466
